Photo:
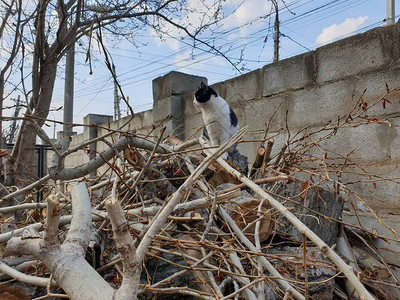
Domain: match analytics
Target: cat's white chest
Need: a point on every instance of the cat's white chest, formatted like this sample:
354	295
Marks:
217	118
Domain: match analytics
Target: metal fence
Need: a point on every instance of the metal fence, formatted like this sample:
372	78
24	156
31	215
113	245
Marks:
41	164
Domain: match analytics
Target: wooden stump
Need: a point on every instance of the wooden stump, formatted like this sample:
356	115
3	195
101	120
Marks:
314	206
244	210
319	269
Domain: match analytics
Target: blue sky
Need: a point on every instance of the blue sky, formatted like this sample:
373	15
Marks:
247	32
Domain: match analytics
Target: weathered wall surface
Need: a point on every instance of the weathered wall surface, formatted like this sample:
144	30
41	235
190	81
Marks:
318	87
311	89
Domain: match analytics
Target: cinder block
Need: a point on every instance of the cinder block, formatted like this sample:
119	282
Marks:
367	144
391	138
97	119
136	122
242	88
193	124
126	124
374	85
390	39
175	83
320	104
258	113
118	124
78	139
250	148
161	109
351	56
379	196
240	113
178	116
144	131
188	106
170	112
289	74
76	159
147	118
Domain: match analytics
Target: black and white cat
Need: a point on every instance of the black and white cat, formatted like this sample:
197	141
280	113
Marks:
220	120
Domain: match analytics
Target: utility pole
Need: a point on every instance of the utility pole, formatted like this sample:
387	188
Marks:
117	111
276	31
127	109
390	18
69	89
54	129
14	123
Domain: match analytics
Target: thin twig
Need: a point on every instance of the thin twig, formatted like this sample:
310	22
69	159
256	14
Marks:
305	267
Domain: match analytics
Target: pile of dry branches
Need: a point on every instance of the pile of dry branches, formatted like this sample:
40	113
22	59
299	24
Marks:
175	220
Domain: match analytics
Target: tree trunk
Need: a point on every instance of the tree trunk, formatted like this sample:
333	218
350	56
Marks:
24	155
66	262
1	123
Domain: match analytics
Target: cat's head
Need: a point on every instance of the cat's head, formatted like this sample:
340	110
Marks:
204	93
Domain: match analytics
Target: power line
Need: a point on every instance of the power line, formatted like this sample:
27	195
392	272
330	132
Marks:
204	50
301	45
328	9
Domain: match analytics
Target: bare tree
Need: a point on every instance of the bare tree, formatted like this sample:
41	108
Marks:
134	228
12	45
47	32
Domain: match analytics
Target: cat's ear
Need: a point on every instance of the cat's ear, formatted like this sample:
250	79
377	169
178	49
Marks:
203	86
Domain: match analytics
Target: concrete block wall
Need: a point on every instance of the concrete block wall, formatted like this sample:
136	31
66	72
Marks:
77	158
311	90
315	88
170	99
318	87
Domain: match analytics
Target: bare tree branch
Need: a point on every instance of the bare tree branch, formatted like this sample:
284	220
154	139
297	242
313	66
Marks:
33	280
348	271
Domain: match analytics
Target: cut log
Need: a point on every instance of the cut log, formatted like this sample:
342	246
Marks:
220	176
238	161
95	249
267	156
262	159
290	265
370	264
315	207
257	161
217	175
380	290
243	210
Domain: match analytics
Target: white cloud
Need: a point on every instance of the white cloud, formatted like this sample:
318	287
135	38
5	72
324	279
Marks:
241	12
336	31
201	12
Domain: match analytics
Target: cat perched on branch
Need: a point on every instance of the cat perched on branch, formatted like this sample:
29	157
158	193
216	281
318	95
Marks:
220	120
